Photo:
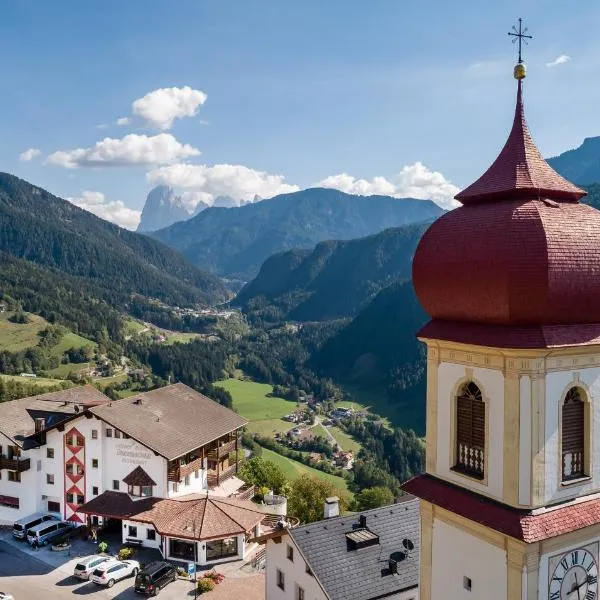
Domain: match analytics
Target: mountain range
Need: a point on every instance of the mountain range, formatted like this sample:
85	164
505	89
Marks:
234	243
53	233
580	165
334	280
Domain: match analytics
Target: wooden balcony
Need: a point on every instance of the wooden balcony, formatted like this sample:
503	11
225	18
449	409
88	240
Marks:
217	477
223	450
15	464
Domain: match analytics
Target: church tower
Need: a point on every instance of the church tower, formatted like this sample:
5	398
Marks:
510	500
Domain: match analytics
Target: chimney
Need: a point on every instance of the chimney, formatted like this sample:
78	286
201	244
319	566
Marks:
332	507
362	521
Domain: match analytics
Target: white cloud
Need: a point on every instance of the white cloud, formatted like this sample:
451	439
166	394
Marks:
29	154
114	211
559	60
102	126
159	108
413	181
237	181
132	149
123	121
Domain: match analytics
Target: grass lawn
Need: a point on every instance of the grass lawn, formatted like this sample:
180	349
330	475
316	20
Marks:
106	381
37	381
18	336
293	469
251	401
176	337
344	440
320	430
132	327
71	340
64	370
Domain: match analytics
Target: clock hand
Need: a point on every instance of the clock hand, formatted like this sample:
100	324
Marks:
578	587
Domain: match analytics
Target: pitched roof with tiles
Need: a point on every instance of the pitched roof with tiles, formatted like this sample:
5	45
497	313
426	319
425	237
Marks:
139	477
521	252
520	171
17	416
116	505
171	420
362	574
525	525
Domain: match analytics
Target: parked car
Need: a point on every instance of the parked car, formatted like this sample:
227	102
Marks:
21	526
5	596
86	566
154	577
47	531
111	571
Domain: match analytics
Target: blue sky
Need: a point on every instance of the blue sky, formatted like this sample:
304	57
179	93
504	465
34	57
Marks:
300	92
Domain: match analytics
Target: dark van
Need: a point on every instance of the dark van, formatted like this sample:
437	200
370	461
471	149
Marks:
154	576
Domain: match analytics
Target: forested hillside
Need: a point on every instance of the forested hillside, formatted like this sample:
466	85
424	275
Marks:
335	280
235	242
49	231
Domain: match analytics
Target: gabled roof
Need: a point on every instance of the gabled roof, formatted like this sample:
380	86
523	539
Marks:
17	416
520	170
363	574
171	420
525	525
116	505
139	477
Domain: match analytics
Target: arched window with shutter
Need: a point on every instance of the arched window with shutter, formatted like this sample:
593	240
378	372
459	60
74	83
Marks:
470	431
573	452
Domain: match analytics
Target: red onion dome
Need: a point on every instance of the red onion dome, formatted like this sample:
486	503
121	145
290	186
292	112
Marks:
520	251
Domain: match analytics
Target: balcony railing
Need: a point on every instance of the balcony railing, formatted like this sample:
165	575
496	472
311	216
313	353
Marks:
223	450
15	464
215	478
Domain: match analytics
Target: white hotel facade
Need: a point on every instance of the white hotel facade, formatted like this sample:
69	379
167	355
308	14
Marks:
161	456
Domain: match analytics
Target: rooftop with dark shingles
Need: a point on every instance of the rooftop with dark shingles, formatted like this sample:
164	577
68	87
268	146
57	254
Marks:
171	420
363	574
17	416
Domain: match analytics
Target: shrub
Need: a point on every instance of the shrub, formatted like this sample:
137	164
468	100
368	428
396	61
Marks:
102	547
214	576
126	553
206	584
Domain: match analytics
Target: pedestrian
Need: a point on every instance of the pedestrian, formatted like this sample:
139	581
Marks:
94	534
35	544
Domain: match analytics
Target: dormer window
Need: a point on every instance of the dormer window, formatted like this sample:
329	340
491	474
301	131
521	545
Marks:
139	483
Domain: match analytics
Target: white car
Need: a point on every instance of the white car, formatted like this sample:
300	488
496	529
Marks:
5	596
86	566
111	571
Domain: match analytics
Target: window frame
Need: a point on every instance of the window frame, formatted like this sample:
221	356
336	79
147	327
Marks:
50	453
585	474
280	579
454	466
49	478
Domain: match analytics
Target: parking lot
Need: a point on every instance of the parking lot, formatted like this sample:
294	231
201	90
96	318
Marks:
27	577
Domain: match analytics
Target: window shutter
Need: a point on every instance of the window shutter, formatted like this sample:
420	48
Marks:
470	431
573	435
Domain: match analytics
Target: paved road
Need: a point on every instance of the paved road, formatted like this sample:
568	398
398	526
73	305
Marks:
29	579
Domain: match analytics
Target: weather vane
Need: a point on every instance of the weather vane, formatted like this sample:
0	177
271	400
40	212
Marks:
519	34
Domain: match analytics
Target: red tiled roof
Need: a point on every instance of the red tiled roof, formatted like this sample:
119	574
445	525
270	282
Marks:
202	519
500	336
116	505
520	171
139	477
512	262
520	524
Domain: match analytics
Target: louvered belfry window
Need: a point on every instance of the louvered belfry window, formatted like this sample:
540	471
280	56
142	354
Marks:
470	431
573	435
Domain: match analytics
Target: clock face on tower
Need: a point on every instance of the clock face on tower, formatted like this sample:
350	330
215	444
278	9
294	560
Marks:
575	576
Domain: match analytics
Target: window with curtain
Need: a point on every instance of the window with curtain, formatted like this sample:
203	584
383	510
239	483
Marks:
470	431
573	435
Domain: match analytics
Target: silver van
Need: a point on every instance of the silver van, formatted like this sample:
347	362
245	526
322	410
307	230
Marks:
21	526
47	531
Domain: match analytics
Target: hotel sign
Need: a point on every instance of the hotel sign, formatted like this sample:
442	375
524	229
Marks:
132	455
